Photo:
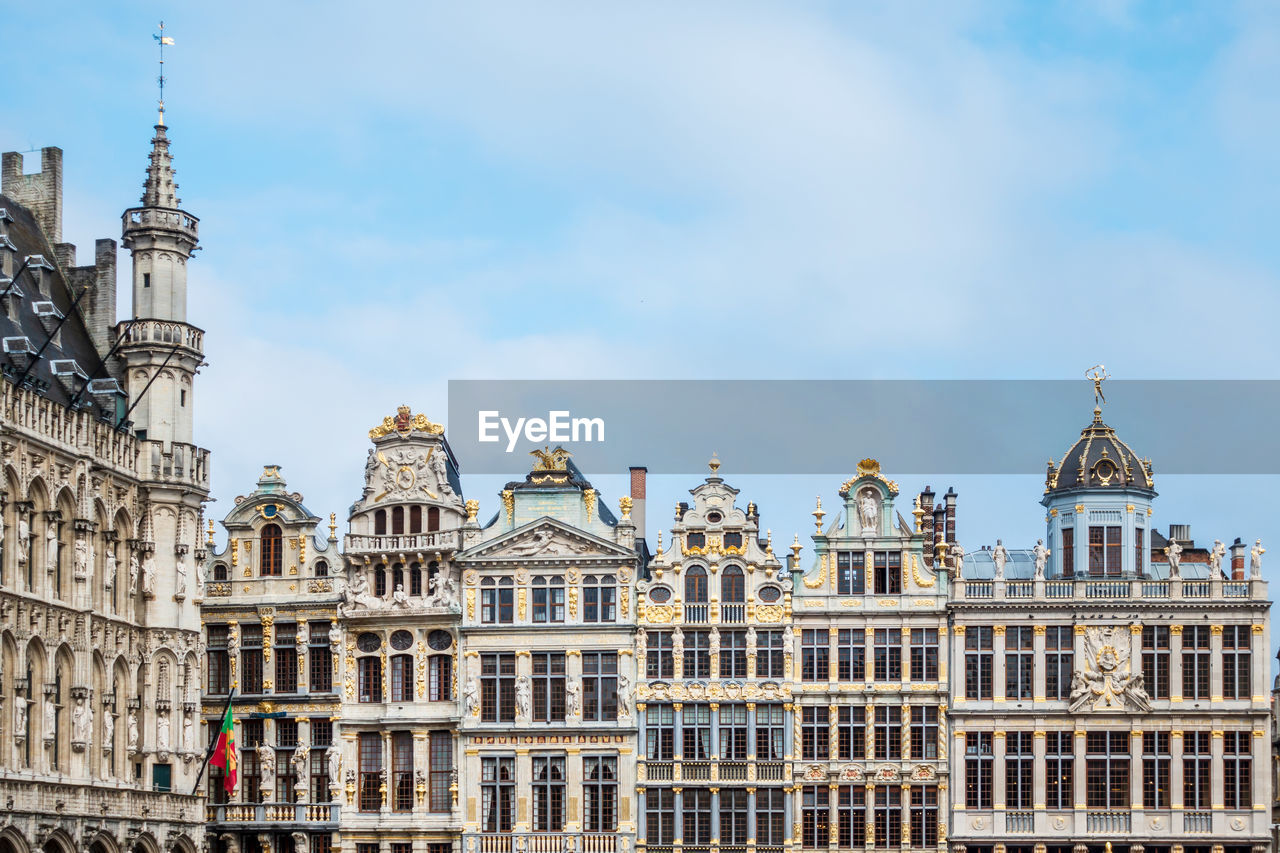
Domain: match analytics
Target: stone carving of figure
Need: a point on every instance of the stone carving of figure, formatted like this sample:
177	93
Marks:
162	730
751	639
356	594
180	576
335	635
108	730
788	643
81	720
133	730
999	556
642	643
301	842
50	716
868	511
188	734
399	598
450	599
334	756
1041	555
957	559
80	557
370	466
24	539
1106	679
1255	560
266	768
471	693
523	694
20	716
436	462
199	578
677	641
109	582
624	696
301	761
1174	552
149	575
1215	560
572	697
133	574
51	547
714	647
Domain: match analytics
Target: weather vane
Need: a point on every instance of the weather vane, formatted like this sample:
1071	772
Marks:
1097	374
162	39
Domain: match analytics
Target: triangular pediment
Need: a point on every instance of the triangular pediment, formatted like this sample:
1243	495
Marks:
545	539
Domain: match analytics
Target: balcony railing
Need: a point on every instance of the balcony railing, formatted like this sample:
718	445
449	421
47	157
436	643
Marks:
548	842
770	771
1107	822
1195	589
1087	588
733	614
1059	589
1155	589
1019	821
272	813
1106	589
979	589
1197	821
1020	589
696	771
733	771
403	542
659	771
695	613
161	332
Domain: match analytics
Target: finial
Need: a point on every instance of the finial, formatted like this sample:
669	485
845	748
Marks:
624	504
162	40
209	541
918	512
333	525
768	542
659	554
818	514
1097	375
714	463
796	547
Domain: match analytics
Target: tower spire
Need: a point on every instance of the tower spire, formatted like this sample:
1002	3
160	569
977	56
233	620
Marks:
161	40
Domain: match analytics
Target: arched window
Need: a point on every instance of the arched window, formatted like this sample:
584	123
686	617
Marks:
433	569
415	519
397	521
397	577
415	579
220	572
695	585
732	586
548	599
433	519
497	601
599	598
322	569
272	550
402	678
380	523
380	580
441	678
370	677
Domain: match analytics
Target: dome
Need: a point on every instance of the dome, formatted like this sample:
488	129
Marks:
1099	460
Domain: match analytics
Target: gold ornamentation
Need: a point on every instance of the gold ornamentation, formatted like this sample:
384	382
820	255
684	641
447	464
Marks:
509	504
659	614
333	525
522	600
624	504
589	500
868	468
405	423
551	460
917	577
821	579
422	675
818	515
320	585
471	604
573	601
766	613
473	507
624	602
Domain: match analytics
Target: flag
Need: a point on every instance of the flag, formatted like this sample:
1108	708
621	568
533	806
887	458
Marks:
224	752
164	39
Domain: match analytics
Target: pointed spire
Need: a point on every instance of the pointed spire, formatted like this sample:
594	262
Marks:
159	190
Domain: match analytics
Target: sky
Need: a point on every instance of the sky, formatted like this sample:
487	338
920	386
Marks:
392	197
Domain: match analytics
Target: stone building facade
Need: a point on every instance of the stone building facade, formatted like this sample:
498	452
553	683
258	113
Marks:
101	495
1110	685
871	673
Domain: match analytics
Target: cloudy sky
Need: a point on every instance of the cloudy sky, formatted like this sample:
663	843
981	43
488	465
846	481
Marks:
396	196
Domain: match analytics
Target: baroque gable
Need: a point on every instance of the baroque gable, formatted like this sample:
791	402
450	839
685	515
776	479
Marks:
545	539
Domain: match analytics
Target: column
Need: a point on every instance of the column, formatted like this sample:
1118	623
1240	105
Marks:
1038	674
1215	663
678	836
998	663
1038	774
957	657
998	774
1175	769
1175	663
715	817
1261	754
833	655
833	732
1259	658
422	758
1217	788
869	640
641	823
906	656
386	772
788	733
715	741
677	747
524	784
301	640
1078	775
1135	773
905	828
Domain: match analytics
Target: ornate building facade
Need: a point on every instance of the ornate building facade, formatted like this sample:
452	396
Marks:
1110	684
102	494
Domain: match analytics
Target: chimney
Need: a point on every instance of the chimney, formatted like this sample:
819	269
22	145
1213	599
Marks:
1237	560
638	475
41	193
1182	533
950	498
926	524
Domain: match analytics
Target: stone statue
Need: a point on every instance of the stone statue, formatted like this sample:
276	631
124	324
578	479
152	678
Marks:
24	539
51	547
19	716
1105	681
572	697
108	730
868	511
1174	552
334	756
50	716
642	643
436	462
788	642
300	760
1255	560
301	842
999	556
180	575
80	559
188	734
335	635
82	720
1041	555
624	696
714	646
133	574
266	769
162	730
471	694
109	582
677	641
356	595
149	575
751	639
450	599
1215	560
957	559
133	730
399	598
523	696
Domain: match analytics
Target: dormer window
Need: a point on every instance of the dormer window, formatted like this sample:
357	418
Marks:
695	540
380	523
1104	550
271	554
733	540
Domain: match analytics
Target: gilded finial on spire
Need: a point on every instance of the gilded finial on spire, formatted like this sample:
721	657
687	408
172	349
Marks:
659	555
209	538
818	514
162	40
333	525
714	463
795	549
768	542
1097	375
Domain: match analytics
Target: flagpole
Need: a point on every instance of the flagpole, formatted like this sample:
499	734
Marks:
213	744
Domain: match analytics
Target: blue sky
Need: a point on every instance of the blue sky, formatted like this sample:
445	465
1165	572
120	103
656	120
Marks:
394	198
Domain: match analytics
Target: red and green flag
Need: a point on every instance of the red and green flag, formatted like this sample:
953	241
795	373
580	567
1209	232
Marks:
224	752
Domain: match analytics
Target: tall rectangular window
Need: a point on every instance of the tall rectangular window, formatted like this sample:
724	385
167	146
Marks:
924	654
924	732
1019	764
697	654
441	745
697	732
733	654
1059	657
660	816
852	806
286	776
888	811
733	817
402	771
251	659
370	771
1196	764
924	816
850	573
814	730
769	654
1068	552
1236	661
1237	770
599	685
814	655
978	662
600	793
888	572
1155	660
770	744
888	733
320	659
1104	550
771	817
402	678
498	688
851	651
697	817
1107	770
1139	548
1156	763
851	730
659	661
440	678
286	655
733	732
888	654
659	730
978	770
1195	662
369	673
548	793
1019	662
548	686
497	793
217	661
251	732
815	817
1059	758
